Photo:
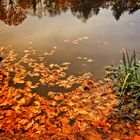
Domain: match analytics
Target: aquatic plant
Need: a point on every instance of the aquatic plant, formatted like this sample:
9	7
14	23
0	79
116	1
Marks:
126	76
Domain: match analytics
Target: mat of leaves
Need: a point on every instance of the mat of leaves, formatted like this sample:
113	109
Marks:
84	113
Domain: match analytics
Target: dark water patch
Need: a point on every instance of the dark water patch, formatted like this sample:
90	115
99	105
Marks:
43	90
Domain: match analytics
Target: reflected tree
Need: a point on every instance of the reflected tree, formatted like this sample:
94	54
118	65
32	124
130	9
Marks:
52	7
134	6
119	7
3	9
38	8
86	8
13	12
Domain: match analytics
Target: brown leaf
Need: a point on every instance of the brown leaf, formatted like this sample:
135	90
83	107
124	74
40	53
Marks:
29	125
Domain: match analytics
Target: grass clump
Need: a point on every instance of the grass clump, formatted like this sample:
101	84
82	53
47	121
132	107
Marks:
126	78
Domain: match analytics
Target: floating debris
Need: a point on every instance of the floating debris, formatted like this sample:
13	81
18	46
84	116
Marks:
79	57
52	65
75	42
105	43
85	37
49	53
41	59
89	60
26	51
9	45
30	42
54	47
66	63
66	40
1	50
79	39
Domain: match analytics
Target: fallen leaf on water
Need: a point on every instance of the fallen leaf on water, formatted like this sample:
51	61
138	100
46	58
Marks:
85	37
21	101
89	60
79	57
75	42
105	43
41	58
75	114
85	58
66	40
66	63
37	103
29	125
26	51
30	42
55	47
18	80
136	138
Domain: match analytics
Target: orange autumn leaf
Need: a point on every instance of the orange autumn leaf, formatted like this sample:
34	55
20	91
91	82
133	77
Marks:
136	137
29	125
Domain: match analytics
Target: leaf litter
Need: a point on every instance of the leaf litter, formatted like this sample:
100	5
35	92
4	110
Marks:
84	113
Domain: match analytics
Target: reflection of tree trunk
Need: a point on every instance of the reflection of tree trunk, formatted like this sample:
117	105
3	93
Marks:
34	5
11	1
82	9
13	14
2	10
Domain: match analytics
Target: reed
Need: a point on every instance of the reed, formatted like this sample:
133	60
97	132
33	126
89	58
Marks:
126	76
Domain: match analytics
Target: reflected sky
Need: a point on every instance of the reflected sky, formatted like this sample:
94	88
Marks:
100	37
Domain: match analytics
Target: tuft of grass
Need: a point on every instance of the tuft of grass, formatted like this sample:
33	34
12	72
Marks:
126	76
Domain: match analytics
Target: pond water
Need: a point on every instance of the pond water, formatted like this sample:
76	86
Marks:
87	33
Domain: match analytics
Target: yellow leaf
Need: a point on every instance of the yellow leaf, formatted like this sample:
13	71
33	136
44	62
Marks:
71	104
37	103
21	101
16	108
18	80
1	117
53	103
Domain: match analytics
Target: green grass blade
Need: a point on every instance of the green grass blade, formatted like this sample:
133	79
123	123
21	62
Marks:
128	59
135	65
125	81
124	62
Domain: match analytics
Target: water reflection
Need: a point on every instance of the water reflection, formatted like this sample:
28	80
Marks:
11	13
14	12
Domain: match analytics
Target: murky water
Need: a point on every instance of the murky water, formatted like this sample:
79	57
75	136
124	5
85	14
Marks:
78	30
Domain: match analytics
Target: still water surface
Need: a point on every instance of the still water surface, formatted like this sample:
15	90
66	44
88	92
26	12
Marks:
87	29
